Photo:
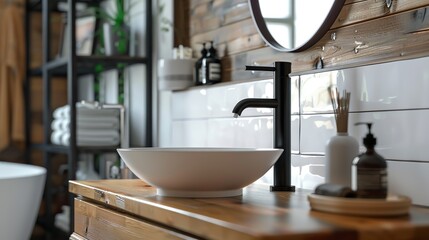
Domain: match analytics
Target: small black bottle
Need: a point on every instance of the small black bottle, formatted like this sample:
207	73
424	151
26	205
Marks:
369	170
211	67
198	70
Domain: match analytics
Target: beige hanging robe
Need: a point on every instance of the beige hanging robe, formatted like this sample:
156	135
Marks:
12	62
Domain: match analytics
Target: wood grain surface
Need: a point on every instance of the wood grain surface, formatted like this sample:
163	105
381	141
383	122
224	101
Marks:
258	214
96	222
366	32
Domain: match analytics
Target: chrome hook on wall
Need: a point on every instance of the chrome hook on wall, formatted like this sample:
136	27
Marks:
388	3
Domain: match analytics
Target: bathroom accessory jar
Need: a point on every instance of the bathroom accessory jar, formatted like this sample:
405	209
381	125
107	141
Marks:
340	151
369	171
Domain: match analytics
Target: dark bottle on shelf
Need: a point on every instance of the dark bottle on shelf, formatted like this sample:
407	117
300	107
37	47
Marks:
369	170
198	70
211	67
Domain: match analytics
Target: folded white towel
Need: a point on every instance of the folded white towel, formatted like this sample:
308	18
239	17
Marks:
65	139
56	124
98	142
98	133
85	110
98	123
95	126
93	138
103	112
85	123
61	112
56	137
60	124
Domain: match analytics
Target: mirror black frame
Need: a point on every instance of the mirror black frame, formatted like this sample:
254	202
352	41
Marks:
269	39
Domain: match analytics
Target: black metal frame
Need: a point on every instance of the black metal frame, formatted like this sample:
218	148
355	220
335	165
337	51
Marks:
259	21
72	67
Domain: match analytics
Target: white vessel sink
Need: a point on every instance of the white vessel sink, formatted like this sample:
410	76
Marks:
199	172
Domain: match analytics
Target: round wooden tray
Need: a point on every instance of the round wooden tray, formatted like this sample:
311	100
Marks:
391	206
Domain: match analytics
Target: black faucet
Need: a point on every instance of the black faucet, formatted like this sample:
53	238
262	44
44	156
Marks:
282	114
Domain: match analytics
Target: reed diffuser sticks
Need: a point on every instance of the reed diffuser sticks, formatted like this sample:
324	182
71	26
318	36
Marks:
340	104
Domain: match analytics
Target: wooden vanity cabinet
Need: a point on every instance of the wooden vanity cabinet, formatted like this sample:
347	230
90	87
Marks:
130	209
97	222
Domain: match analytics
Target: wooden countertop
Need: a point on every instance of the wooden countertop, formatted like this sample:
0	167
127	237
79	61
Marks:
258	214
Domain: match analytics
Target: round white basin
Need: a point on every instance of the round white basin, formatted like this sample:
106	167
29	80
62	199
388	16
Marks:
199	172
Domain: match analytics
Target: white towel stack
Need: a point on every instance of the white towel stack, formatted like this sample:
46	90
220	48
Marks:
95	126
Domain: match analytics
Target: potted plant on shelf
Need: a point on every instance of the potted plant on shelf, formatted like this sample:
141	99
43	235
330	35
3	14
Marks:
113	40
115	31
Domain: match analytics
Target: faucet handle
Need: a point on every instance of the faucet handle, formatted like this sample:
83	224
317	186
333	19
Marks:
260	68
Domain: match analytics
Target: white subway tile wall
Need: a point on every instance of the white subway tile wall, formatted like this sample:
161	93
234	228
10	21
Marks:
217	101
393	96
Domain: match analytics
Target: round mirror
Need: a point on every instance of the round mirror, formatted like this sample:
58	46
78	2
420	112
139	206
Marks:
294	25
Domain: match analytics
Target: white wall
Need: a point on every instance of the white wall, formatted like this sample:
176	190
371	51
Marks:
164	45
393	96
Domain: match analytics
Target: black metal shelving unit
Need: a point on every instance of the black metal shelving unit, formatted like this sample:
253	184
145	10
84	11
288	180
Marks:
72	67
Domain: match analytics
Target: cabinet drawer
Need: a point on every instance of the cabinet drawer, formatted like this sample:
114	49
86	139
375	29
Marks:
96	222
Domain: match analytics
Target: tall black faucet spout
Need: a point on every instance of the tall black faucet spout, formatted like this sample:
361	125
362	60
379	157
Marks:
254	103
282	112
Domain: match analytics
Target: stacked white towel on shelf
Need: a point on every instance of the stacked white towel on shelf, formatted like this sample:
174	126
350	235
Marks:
94	126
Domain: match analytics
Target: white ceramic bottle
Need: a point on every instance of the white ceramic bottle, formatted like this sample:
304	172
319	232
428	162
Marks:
339	154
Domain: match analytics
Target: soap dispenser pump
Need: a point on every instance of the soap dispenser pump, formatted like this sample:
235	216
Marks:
198	75
211	67
369	170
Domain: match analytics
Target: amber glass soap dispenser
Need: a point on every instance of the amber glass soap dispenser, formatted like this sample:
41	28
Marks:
369	170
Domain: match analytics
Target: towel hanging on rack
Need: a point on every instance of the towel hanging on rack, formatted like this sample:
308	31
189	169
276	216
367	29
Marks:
12	51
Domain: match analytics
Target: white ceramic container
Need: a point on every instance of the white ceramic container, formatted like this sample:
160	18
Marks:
340	152
199	172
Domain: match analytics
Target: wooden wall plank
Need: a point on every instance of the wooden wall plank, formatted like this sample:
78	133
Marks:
238	12
359	11
212	16
181	22
197	2
225	34
378	35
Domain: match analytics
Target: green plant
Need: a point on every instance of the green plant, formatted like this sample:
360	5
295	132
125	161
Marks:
117	19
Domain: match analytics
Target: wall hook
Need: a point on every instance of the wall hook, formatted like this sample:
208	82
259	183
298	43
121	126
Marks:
318	64
388	3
